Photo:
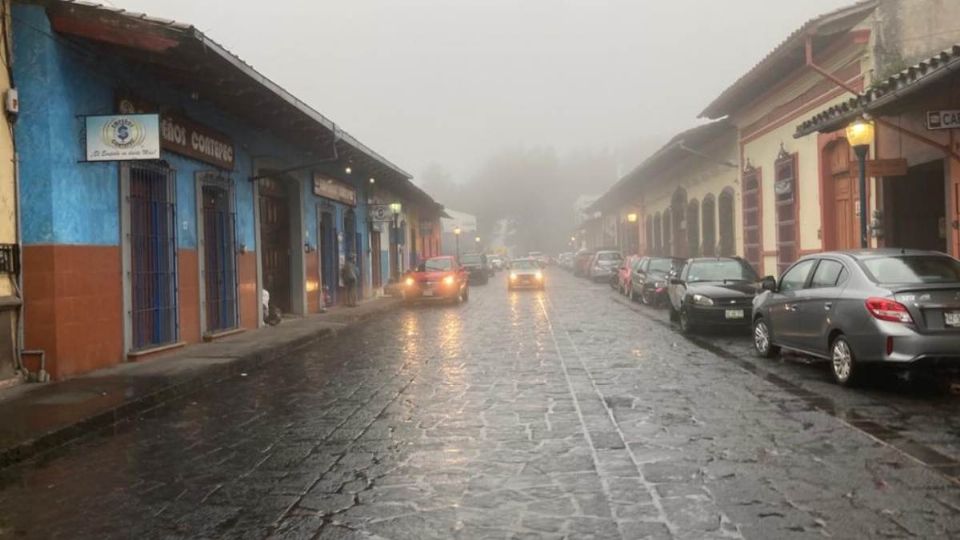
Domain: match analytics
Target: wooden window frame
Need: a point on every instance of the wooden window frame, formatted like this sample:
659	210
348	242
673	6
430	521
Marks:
755	173
786	173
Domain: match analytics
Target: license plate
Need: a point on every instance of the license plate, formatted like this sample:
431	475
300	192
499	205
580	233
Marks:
427	292
734	313
951	318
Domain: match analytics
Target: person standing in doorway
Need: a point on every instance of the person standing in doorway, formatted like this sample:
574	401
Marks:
348	273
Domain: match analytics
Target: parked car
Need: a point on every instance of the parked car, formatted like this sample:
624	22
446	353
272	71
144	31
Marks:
525	273
581	262
565	260
437	278
603	266
496	262
713	291
625	274
856	308
477	266
651	279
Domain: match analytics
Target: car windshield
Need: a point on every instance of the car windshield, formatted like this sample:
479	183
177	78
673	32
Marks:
609	256
470	259
720	270
661	265
437	265
916	269
525	264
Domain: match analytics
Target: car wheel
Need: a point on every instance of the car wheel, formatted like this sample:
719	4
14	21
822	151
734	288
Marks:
686	325
843	365
763	340
645	298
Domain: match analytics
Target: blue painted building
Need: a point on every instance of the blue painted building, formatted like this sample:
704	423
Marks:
253	190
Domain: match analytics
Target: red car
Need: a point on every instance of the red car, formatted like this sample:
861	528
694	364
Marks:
438	278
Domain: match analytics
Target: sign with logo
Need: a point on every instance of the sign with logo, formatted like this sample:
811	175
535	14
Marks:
123	137
186	137
943	119
380	212
330	188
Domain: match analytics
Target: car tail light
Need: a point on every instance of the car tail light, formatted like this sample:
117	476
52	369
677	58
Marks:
448	280
886	309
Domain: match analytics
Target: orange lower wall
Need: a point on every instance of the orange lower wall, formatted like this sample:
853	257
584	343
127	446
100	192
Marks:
189	299
73	302
247	284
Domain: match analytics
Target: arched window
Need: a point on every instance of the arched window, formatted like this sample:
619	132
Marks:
708	212
657	244
785	191
667	247
693	228
752	234
728	246
648	234
678	211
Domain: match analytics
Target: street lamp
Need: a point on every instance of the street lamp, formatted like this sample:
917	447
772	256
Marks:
456	232
860	137
632	218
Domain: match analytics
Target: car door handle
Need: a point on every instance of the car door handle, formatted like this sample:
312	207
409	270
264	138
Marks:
827	306
791	307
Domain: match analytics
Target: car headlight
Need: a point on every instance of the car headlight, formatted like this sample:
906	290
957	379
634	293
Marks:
448	280
538	275
410	282
702	300
513	277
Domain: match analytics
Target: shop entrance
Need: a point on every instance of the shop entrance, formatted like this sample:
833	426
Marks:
219	260
329	249
840	222
275	237
914	206
153	255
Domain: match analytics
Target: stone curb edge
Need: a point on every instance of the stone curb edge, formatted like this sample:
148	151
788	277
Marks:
202	378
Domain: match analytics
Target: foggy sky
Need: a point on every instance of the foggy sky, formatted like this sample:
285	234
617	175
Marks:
454	81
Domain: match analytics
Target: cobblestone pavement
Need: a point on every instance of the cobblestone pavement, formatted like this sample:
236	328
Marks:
518	415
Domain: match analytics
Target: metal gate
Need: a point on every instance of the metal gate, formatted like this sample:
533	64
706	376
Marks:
153	255
219	259
275	236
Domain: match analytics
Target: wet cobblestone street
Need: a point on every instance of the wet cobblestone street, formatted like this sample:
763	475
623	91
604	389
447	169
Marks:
564	414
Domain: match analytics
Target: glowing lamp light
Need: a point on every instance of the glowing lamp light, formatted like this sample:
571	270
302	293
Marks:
373	180
410	282
477	239
348	170
395	208
632	217
457	231
860	133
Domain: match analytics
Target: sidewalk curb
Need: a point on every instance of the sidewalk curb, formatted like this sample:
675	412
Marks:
205	377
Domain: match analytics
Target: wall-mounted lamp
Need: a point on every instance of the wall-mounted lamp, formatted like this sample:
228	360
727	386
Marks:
348	170
373	180
632	217
395	208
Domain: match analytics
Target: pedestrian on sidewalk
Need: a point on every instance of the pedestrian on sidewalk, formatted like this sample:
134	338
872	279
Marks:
349	276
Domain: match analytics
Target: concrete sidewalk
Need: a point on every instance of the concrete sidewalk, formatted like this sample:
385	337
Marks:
38	417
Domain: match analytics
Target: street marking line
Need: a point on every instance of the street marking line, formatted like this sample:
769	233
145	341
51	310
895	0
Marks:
655	497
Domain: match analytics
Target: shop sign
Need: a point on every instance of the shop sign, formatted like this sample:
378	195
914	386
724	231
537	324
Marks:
324	186
122	137
380	212
887	167
949	119
186	137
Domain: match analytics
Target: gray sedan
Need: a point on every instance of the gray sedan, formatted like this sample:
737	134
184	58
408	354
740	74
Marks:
883	306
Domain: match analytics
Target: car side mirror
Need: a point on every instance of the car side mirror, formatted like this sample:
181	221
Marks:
769	284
